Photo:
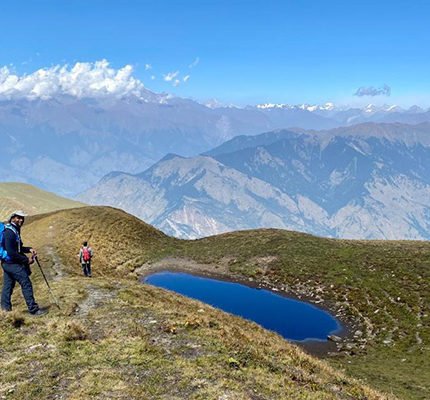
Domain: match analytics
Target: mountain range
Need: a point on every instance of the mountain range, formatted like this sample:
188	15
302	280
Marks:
65	144
367	181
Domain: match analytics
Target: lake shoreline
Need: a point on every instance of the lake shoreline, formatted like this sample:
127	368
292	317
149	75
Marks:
319	348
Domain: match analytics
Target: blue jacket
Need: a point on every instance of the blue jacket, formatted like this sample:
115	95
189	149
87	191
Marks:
12	243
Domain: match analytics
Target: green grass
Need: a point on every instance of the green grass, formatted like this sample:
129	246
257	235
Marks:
380	288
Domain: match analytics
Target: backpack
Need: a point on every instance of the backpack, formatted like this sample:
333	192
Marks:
3	252
86	254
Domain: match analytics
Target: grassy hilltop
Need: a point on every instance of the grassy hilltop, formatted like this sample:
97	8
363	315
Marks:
116	338
21	196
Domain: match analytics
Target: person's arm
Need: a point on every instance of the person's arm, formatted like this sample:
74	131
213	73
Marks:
11	247
80	256
26	250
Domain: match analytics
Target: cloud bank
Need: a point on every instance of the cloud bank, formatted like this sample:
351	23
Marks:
81	80
373	91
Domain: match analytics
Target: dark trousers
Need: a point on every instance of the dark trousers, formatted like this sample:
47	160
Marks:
86	268
13	273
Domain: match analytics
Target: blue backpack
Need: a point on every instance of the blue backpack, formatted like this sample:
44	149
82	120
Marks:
3	252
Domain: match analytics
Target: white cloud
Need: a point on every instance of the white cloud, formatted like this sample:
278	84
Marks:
148	67
176	82
96	79
186	78
153	77
194	63
169	77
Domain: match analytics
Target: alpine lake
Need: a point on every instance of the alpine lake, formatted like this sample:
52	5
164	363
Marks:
293	319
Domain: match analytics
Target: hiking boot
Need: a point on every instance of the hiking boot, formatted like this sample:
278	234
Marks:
39	312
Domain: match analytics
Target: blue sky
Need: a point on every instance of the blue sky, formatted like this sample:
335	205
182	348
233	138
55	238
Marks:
241	52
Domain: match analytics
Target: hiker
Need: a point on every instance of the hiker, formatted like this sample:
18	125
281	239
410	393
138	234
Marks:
85	256
16	267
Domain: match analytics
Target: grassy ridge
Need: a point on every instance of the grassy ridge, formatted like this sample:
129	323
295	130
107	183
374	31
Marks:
116	338
121	242
21	196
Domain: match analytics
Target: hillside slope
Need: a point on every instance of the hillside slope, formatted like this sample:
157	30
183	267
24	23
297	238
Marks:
21	196
117	338
380	289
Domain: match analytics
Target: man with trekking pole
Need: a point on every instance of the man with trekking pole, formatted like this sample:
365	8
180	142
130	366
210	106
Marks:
16	265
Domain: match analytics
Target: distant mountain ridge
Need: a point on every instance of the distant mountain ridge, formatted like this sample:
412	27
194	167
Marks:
66	144
368	181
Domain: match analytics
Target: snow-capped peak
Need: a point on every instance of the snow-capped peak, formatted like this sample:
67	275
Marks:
305	107
372	108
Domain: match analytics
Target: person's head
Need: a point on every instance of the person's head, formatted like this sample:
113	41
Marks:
85	244
17	218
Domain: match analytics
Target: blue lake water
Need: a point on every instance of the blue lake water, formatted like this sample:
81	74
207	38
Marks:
293	319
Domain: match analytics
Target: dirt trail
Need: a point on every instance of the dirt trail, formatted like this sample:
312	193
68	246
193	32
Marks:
57	266
96	297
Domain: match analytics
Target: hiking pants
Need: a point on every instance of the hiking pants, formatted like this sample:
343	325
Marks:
86	268
13	273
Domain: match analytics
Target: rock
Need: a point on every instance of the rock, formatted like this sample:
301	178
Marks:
334	338
335	388
34	347
358	333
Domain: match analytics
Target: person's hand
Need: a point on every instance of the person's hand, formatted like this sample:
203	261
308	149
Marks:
33	252
30	260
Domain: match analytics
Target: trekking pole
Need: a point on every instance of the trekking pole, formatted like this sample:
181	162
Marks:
47	283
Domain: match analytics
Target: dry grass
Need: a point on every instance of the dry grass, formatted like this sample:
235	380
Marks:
21	196
117	338
74	330
121	242
141	342
121	348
